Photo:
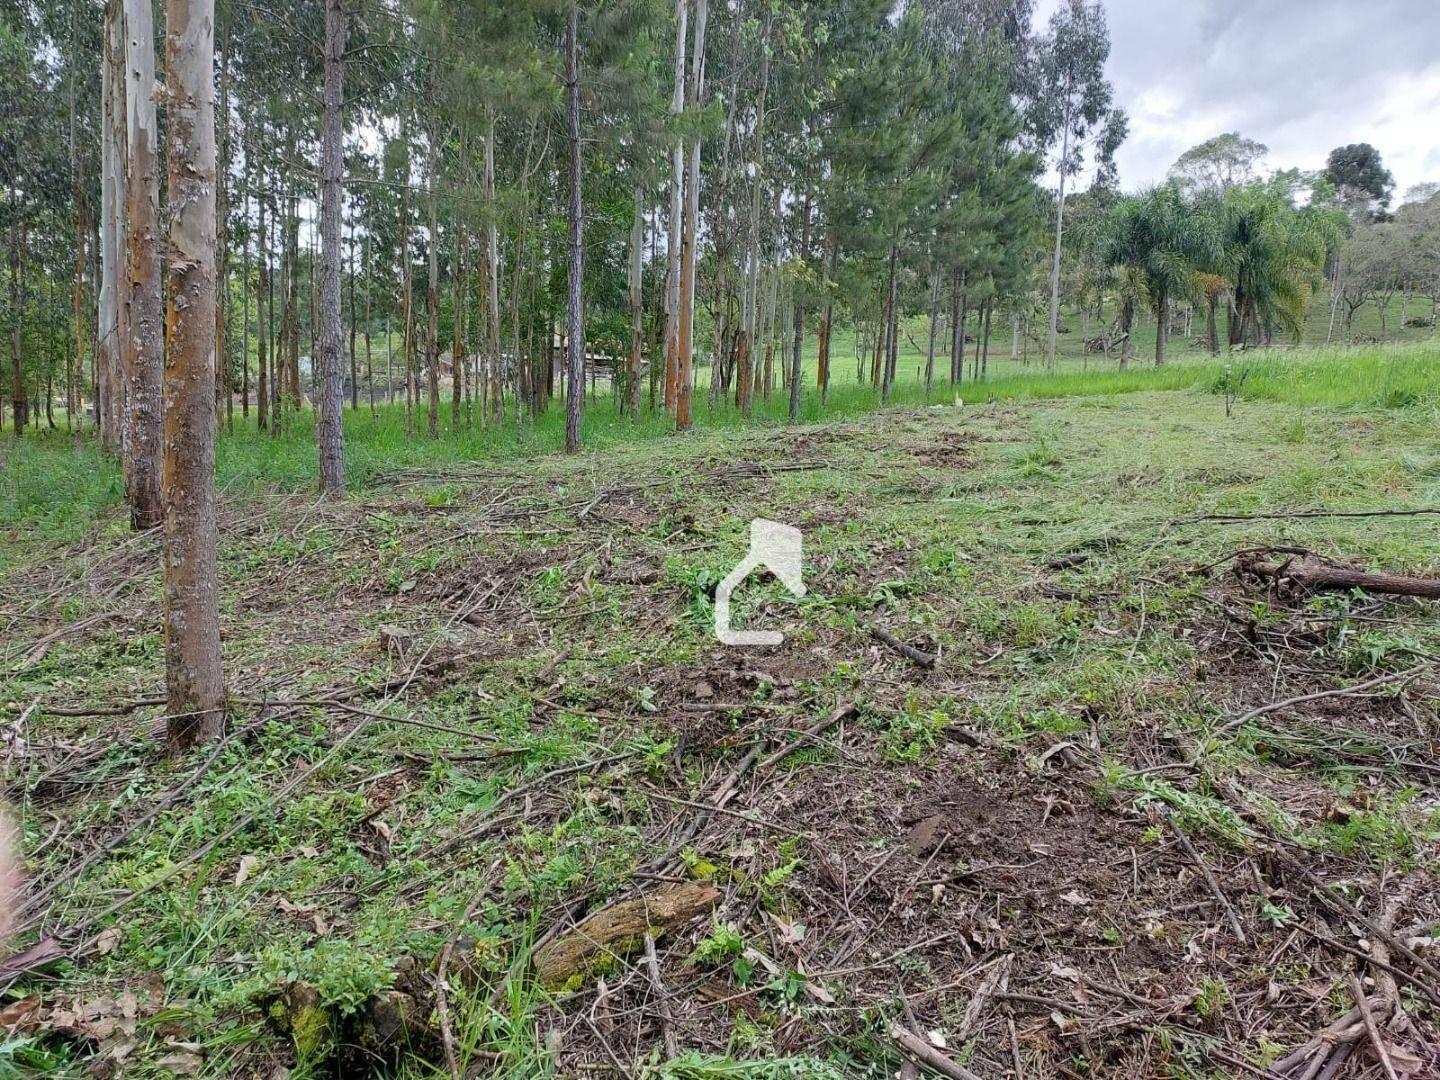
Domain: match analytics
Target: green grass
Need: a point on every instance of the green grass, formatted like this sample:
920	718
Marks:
1105	466
45	484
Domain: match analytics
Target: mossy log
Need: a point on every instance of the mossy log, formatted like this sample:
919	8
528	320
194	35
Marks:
619	929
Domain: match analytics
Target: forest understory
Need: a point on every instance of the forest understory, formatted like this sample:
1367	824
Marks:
1027	791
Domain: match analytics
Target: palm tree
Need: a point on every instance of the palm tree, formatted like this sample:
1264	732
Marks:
1157	241
1273	256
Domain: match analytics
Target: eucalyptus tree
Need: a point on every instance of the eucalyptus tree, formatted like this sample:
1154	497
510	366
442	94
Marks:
1073	102
194	681
329	428
144	344
1219	163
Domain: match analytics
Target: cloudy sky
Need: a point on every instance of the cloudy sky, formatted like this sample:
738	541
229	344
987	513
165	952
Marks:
1301	76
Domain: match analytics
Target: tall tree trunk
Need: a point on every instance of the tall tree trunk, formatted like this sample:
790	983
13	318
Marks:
292	299
354	325
1162	328
19	401
1127	323
432	292
108	331
329	426
934	329
673	241
245	302
891	296
827	270
797	358
407	290
194	682
82	228
146	350
689	243
223	377
637	305
492	270
263	313
1059	234
369	355
985	346
1212	333
575	384
457	305
750	285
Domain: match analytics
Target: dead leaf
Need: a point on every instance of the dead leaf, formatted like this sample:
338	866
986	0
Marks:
925	836
21	1017
40	955
107	941
1075	897
247	864
182	1063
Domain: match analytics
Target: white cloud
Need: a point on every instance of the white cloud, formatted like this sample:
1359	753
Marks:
1302	76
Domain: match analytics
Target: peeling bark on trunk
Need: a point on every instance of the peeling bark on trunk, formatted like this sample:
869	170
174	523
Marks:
329	426
194	682
223	379
146	351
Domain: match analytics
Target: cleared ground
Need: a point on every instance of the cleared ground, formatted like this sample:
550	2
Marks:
480	700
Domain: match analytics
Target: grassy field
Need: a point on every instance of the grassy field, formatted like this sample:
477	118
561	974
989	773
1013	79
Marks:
481	698
46	484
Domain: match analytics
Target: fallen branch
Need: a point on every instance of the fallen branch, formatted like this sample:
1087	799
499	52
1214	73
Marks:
662	998
1289	515
1348	691
619	928
1210	881
1363	1004
918	656
927	1055
1309	573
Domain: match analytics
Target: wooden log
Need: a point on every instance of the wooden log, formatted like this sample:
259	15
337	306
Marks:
1311	574
619	929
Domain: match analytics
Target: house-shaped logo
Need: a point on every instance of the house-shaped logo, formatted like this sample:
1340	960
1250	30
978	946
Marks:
774	547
